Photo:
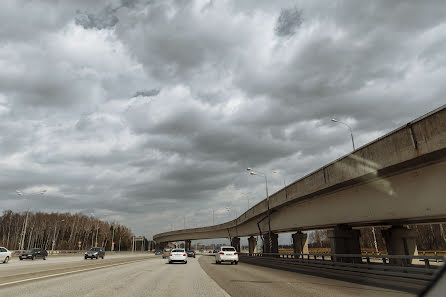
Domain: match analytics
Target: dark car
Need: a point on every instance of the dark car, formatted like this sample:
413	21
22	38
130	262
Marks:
191	254
95	253
33	254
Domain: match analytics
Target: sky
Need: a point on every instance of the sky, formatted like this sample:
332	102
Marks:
148	112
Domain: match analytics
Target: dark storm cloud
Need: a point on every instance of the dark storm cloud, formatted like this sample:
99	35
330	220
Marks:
288	22
101	21
244	84
147	93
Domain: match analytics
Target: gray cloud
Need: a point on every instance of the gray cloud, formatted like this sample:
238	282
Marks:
92	21
288	22
244	84
147	93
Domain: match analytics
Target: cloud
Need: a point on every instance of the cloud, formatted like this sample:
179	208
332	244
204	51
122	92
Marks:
104	20
288	22
147	93
244	84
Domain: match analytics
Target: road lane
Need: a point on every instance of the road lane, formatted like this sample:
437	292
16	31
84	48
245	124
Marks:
146	278
39	268
245	280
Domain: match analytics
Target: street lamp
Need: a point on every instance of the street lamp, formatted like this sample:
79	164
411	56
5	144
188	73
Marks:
284	184
258	173
20	193
350	128
54	237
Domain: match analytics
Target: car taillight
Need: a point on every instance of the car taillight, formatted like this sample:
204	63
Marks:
184	255
221	253
170	255
235	253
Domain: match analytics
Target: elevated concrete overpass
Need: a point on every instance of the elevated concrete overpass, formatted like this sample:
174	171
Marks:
397	179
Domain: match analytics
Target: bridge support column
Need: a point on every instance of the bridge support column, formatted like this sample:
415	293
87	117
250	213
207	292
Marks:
274	247
187	244
300	243
235	242
400	241
345	240
252	243
160	245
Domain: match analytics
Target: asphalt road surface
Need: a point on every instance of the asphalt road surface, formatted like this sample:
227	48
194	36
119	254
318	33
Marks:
152	276
245	280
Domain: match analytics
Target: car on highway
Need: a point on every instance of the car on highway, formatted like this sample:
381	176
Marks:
5	255
191	254
95	253
226	254
33	254
178	255
166	252
158	252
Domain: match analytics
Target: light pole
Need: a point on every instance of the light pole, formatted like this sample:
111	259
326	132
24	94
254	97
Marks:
258	173
350	128
213	217
284	183
22	241
54	237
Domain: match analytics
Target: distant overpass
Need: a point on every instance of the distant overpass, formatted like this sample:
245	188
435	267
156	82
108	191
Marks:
397	179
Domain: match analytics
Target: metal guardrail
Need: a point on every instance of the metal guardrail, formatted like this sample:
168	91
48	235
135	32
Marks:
390	265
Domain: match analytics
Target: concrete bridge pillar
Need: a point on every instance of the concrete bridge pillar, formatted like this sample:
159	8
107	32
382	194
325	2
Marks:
235	242
345	240
400	241
300	243
187	244
160	245
252	242
274	247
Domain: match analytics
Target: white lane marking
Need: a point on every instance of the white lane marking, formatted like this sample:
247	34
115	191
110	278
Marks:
68	272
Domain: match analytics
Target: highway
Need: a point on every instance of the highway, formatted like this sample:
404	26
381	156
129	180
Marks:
143	275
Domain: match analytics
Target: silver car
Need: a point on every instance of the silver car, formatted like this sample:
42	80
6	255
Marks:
5	255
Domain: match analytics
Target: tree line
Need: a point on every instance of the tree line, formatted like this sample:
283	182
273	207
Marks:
65	229
429	237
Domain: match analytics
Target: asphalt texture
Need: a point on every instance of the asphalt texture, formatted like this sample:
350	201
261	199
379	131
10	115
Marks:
143	275
245	280
149	276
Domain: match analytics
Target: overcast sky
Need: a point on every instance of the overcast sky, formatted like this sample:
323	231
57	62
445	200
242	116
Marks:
146	111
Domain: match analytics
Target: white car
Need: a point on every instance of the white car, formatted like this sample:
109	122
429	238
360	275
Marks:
5	255
178	255
226	254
